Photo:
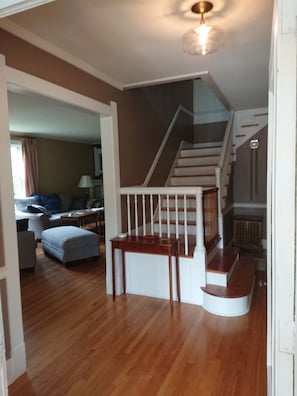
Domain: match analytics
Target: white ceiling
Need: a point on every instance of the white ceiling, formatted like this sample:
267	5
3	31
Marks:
36	115
131	43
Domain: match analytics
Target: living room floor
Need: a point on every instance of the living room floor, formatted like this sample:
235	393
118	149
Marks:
80	342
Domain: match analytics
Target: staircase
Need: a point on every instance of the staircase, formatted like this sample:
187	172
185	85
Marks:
229	278
193	167
196	167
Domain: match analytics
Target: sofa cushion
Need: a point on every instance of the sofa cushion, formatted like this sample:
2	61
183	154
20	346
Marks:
21	204
50	202
34	208
78	203
65	201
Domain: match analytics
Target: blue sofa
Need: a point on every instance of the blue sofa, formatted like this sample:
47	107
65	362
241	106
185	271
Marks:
45	211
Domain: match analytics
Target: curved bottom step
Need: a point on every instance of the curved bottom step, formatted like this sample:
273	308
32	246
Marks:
234	300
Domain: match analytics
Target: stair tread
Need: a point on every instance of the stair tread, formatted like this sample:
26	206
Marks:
241	282
195	166
200	175
202	147
164	209
223	260
180	222
199	156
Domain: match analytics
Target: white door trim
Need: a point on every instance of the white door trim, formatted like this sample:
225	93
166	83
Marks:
9	7
110	158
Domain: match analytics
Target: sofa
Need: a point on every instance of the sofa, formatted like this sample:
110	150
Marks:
45	211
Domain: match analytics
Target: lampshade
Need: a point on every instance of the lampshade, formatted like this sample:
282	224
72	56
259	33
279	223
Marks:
85	182
204	38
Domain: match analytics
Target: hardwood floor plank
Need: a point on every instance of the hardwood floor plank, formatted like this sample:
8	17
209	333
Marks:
80	342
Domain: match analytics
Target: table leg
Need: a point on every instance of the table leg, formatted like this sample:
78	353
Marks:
177	274
170	280
124	270
113	275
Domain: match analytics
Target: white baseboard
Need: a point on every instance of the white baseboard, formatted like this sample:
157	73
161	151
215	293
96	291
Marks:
16	364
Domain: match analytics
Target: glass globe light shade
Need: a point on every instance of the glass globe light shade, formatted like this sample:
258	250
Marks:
202	40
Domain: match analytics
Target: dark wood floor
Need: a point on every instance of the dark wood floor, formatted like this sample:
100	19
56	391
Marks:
80	342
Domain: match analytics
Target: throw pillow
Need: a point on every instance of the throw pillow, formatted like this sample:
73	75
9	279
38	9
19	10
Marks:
50	202
38	209
78	203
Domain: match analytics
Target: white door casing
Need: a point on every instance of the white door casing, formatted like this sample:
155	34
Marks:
281	202
109	131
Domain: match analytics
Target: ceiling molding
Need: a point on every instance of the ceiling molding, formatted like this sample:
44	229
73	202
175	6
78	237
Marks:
159	81
33	39
9	7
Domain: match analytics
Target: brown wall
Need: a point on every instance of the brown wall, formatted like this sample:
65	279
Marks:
242	169
212	132
164	101
140	127
59	167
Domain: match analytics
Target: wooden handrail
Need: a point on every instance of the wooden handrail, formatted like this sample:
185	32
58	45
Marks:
164	141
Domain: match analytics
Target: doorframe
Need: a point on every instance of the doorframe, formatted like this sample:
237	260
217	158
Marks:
16	363
281	202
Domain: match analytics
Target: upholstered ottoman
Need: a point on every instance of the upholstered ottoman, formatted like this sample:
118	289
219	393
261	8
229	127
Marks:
69	243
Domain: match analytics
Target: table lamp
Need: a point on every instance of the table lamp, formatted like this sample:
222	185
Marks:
87	182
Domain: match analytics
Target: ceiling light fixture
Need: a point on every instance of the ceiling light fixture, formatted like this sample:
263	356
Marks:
203	39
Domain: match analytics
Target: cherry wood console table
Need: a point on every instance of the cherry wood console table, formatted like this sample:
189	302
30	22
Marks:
151	245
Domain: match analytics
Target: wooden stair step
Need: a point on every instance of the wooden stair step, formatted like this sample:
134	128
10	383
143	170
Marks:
197	175
200	156
164	209
241	282
195	166
173	222
223	261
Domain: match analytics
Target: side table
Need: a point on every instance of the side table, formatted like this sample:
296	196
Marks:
151	245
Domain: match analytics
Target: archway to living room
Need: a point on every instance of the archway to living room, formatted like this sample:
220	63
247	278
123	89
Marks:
108	126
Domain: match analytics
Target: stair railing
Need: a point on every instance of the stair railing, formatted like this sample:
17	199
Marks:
163	210
223	173
210	217
164	141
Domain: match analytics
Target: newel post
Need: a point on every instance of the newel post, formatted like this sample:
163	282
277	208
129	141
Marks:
199	220
200	252
219	197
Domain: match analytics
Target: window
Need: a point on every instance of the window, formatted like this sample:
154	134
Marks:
18	168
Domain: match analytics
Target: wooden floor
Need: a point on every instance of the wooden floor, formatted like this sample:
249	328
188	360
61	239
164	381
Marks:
80	342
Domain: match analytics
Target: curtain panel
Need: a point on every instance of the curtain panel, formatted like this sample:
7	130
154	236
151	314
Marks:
29	147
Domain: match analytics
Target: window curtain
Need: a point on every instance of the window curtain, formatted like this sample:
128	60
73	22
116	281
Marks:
29	148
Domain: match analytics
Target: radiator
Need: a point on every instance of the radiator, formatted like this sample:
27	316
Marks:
248	232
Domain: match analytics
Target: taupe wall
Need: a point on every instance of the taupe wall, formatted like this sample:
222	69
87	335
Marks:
242	169
61	164
140	130
211	132
164	101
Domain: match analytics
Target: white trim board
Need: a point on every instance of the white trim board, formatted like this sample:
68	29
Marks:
249	205
9	7
110	157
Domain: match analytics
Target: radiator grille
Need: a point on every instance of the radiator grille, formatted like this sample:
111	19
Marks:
248	232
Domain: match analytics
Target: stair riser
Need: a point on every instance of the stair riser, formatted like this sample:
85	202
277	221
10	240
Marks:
193	181
196	161
200	151
214	278
227	306
195	170
191	216
172	229
190	203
